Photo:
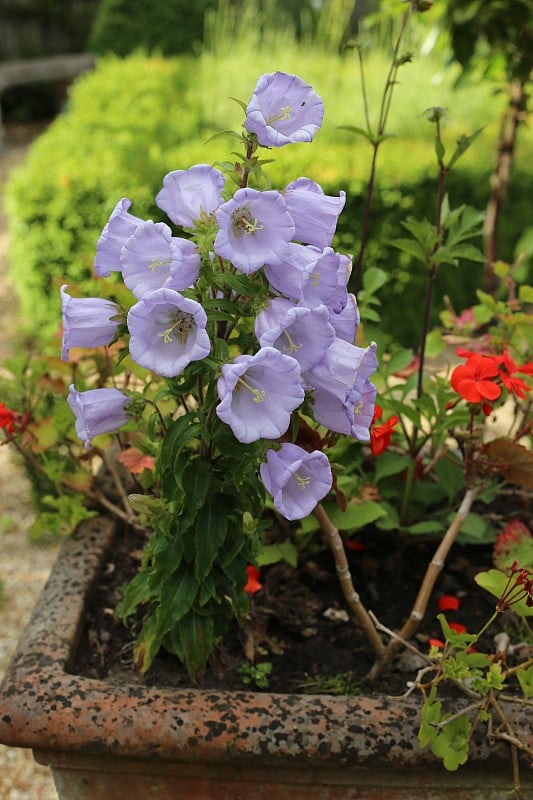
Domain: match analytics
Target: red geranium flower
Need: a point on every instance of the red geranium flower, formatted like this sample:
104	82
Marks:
7	419
448	602
253	585
507	370
457	627
436	643
380	436
475	380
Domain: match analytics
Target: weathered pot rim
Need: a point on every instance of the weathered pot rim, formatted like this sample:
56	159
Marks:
45	707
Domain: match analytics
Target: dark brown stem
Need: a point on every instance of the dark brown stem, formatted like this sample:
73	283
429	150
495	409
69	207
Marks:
500	178
336	546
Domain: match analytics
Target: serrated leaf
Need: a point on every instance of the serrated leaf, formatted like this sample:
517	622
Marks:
211	531
452	741
412	248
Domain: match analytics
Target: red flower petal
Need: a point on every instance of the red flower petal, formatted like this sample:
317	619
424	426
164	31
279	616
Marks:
457	627
436	643
448	602
253	585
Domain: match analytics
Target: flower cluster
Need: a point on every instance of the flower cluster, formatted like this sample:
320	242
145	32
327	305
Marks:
253	290
481	378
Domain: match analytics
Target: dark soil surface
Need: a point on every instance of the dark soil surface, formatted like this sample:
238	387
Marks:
299	621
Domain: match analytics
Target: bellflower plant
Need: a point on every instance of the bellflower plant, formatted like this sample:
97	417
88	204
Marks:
239	338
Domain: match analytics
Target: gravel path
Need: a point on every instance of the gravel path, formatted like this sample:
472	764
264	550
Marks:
24	568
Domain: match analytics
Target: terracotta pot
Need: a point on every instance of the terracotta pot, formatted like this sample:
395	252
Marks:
106	742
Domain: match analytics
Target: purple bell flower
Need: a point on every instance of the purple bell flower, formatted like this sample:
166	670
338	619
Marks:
97	411
343	397
298	331
189	195
327	280
87	322
152	258
258	394
290	275
167	332
315	214
296	479
346	321
283	109
254	228
119	228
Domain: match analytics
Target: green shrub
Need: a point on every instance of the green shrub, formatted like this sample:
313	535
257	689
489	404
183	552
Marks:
133	120
161	26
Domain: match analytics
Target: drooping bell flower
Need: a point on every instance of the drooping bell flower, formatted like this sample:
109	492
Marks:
97	411
152	259
188	195
167	332
327	280
258	394
289	275
255	228
87	322
301	332
283	109
315	214
346	321
296	479
343	395
120	226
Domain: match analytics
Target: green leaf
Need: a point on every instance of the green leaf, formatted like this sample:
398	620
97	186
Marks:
398	361
425	527
373	279
450	474
412	248
192	640
390	463
195	482
430	715
525	679
497	582
211	531
272	553
357	131
463	143
451	743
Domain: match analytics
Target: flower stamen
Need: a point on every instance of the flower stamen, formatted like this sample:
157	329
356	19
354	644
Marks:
284	113
292	347
181	327
158	262
259	394
302	481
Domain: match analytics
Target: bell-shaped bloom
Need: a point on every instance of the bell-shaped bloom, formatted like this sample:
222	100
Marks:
283	109
167	332
327	280
97	411
475	380
191	194
152	259
87	322
255	228
301	332
289	276
296	479
315	214
258	394
340	365
346	321
120	226
343	396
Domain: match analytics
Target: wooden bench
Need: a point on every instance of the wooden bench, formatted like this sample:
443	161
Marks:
35	70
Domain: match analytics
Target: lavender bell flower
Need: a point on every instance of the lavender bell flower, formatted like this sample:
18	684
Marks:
283	109
346	321
254	228
301	332
327	280
190	194
97	411
258	394
167	332
119	228
291	274
87	322
343	397
152	258
315	214
296	479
